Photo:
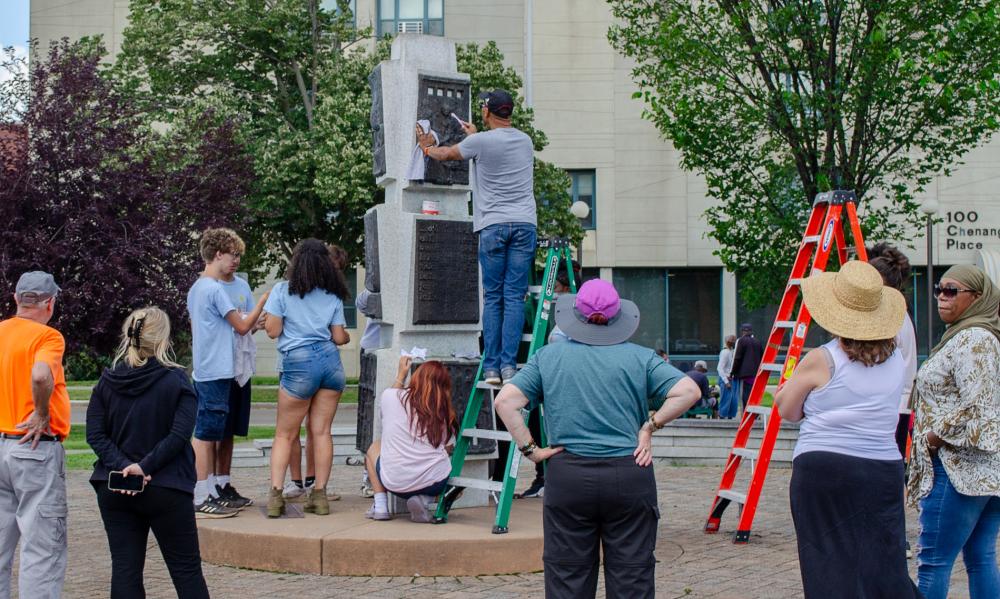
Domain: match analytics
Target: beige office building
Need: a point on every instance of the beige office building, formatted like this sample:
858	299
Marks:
646	231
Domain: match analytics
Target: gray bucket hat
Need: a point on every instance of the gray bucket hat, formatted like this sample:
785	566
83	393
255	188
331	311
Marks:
596	315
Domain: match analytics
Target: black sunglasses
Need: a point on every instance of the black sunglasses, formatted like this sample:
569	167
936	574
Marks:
950	292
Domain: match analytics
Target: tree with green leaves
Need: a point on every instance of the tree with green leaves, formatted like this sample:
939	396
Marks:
296	74
773	102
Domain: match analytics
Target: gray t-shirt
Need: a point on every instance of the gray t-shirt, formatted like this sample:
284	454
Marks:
502	177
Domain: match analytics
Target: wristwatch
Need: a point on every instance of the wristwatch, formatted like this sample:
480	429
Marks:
528	448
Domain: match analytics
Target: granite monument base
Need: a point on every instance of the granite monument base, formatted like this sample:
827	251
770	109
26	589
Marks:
345	543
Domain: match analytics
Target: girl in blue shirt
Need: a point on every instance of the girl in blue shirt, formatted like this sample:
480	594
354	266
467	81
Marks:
305	313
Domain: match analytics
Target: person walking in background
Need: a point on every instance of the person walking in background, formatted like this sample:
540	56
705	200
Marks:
955	460
411	460
305	313
503	214
728	391
213	348
600	494
846	491
34	420
139	420
746	361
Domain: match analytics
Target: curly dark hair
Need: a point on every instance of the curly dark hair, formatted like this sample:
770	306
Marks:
311	267
891	263
869	353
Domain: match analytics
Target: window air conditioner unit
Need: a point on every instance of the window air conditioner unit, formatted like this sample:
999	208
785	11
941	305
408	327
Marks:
410	27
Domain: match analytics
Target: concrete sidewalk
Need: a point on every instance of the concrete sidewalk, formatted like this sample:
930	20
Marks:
690	564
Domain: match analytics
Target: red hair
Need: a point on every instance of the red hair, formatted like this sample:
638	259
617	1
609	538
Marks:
428	401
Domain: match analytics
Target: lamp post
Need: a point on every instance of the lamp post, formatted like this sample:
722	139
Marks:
581	210
930	208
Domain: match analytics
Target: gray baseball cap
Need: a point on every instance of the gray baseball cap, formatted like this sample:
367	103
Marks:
36	287
701	365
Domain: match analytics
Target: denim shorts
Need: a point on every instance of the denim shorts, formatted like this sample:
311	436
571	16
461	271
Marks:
307	369
213	409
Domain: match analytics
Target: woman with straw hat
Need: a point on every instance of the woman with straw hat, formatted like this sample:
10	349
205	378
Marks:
955	461
847	474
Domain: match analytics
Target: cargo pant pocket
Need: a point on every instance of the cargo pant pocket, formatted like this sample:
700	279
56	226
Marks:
52	525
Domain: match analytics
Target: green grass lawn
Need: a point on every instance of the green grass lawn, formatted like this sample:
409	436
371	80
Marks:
85	461
259	395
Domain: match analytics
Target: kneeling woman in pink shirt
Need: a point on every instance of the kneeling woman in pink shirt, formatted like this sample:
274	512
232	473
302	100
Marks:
418	426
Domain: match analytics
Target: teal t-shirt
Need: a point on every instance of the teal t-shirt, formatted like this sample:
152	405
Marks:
596	397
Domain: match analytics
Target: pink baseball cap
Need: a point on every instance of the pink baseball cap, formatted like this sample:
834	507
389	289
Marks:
596	314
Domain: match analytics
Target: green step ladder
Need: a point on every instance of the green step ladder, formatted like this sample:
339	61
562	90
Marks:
558	249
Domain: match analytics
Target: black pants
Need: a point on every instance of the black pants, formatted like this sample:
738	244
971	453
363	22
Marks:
850	527
594	504
127	521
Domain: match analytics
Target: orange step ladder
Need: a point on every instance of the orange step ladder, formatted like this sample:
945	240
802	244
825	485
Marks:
832	212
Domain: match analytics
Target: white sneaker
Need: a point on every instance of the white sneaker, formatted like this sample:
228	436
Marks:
293	491
419	508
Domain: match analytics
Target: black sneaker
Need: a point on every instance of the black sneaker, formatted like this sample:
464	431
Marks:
211	508
230	498
537	489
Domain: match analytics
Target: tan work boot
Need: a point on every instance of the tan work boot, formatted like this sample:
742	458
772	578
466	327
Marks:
275	503
317	502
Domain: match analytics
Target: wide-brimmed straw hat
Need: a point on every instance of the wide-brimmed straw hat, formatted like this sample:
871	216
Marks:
854	303
596	315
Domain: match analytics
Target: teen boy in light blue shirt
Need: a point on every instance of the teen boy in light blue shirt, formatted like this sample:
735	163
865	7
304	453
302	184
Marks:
213	320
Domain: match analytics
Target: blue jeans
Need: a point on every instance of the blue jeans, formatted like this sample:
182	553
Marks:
729	399
951	522
506	253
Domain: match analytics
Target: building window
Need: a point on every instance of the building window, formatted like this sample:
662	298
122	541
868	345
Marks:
694	312
410	16
762	319
350	311
334	6
582	189
648	289
918	307
681	310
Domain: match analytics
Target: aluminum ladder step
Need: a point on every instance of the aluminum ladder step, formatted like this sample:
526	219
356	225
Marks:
745	452
482	433
476	483
784	324
760	410
772	367
734	496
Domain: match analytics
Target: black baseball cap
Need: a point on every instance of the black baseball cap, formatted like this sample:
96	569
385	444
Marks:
499	102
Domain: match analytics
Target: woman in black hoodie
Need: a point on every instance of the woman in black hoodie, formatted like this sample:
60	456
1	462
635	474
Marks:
139	421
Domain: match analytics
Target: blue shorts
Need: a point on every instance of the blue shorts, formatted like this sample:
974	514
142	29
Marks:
307	369
432	490
213	409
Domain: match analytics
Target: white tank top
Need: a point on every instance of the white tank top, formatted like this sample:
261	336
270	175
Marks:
856	412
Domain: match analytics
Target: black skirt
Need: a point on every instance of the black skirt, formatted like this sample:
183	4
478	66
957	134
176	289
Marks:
850	527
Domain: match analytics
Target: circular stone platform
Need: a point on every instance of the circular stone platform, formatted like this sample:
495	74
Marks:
345	543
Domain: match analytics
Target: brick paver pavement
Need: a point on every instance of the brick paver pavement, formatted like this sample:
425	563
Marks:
691	564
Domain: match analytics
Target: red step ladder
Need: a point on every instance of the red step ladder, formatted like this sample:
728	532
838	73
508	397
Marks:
825	230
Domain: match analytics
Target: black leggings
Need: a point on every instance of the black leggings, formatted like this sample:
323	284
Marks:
128	520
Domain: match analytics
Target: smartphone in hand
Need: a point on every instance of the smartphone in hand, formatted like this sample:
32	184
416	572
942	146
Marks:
118	481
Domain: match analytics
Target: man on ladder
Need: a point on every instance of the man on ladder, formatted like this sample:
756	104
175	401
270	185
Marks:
503	215
600	491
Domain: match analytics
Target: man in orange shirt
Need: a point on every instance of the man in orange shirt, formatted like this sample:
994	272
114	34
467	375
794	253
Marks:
34	419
